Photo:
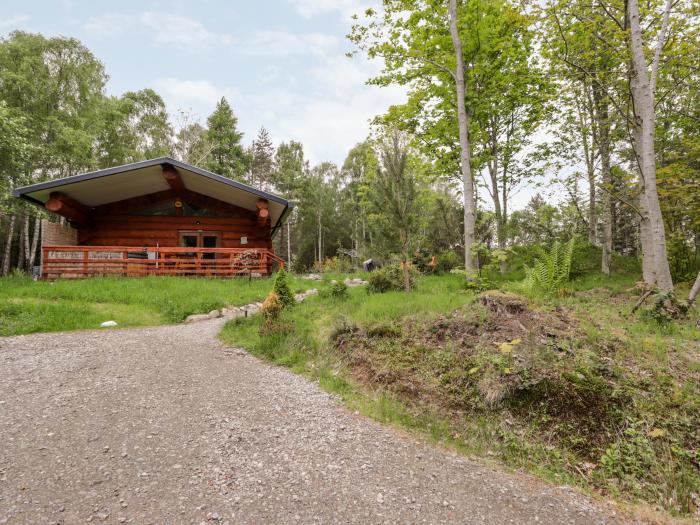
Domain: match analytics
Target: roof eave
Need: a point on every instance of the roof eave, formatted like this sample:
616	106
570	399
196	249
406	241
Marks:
24	190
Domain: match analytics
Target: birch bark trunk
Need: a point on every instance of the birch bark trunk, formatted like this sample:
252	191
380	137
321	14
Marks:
465	152
585	123
8	246
695	290
289	244
22	248
643	87
603	129
35	243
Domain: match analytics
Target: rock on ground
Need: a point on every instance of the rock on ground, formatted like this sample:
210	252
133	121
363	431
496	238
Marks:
167	425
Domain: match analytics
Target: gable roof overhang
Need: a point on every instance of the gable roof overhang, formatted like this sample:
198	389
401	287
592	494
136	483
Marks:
146	177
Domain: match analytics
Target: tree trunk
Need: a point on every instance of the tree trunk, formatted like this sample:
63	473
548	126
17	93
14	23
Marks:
404	264
320	258
583	109
603	135
498	210
695	290
22	248
8	246
35	244
289	243
465	152
643	88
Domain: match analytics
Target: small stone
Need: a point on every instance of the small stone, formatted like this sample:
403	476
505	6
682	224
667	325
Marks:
108	324
380	498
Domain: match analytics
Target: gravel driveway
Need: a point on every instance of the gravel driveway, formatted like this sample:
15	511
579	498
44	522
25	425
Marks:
167	425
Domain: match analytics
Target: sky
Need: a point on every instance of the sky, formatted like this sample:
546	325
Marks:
280	63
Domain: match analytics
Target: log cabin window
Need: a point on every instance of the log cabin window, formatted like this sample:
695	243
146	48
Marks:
192	239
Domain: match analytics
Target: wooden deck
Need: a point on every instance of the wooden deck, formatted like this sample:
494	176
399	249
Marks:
61	262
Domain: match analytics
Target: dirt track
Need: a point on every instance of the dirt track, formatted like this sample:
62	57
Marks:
166	425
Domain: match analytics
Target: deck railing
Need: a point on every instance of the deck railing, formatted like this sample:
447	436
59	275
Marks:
133	261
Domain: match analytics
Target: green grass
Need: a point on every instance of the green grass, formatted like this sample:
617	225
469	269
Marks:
592	399
27	306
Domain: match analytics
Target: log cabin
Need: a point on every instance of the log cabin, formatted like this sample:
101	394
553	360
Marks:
156	217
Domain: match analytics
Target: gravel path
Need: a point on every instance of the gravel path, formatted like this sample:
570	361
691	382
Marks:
167	425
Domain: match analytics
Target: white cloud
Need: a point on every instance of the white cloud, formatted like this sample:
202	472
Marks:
109	25
347	8
13	21
199	95
335	116
280	44
269	74
165	29
180	31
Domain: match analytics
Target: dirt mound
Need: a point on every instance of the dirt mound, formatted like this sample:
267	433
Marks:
497	354
500	317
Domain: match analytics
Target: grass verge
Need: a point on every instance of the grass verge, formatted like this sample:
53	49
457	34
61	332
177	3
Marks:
575	390
27	306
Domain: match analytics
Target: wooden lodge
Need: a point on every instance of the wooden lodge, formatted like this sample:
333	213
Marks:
156	217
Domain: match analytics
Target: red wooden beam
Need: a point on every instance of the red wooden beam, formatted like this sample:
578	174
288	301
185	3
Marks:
263	212
173	178
71	209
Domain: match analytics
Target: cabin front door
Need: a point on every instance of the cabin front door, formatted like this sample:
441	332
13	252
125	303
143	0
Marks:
189	239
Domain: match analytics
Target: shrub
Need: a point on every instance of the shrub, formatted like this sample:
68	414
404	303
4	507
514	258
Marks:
552	270
478	284
282	289
336	290
339	290
389	278
586	259
270	311
338	264
447	261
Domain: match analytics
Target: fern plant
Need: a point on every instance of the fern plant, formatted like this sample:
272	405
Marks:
552	270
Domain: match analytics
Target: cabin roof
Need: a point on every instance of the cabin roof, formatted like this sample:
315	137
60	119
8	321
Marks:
141	178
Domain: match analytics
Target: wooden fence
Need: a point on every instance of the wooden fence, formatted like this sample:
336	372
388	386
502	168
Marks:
131	261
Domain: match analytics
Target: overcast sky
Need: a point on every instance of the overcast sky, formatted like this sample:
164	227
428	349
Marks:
280	63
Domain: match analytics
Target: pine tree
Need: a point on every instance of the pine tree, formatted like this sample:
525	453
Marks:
262	160
227	156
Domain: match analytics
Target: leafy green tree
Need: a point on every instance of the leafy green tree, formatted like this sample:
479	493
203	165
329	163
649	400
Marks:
58	85
358	166
395	194
134	127
227	156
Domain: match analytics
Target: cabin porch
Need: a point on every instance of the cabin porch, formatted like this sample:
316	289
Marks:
135	261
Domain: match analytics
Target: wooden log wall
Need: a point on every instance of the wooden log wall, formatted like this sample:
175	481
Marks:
139	230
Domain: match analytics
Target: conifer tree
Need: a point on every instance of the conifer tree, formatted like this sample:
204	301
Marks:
262	160
227	156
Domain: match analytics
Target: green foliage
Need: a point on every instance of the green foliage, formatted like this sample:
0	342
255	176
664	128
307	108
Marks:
27	306
477	284
666	308
629	459
446	261
281	288
336	290
227	156
571	402
389	278
271	310
552	270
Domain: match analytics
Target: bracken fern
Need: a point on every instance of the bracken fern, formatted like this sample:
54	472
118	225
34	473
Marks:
552	269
